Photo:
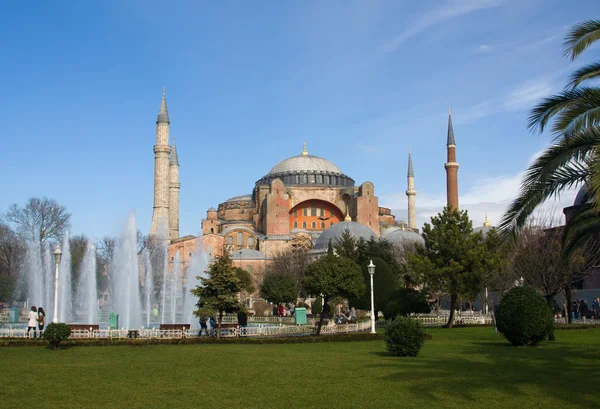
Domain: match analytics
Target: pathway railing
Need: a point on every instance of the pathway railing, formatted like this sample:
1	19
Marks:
146	333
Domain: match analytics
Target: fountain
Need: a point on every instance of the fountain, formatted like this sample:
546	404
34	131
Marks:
126	283
148	286
197	268
34	271
65	288
175	286
87	293
48	273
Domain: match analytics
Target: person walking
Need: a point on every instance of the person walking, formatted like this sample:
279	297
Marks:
32	321
41	318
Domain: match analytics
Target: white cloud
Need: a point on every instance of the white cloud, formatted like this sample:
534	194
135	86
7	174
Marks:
487	195
483	48
529	93
523	96
449	10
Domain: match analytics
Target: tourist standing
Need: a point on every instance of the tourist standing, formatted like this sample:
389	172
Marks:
41	318
32	321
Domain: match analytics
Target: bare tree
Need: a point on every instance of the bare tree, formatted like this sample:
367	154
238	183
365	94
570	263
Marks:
540	260
12	251
291	263
41	219
78	245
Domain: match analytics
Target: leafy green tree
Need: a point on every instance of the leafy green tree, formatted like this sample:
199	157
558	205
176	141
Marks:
346	246
245	278
377	248
333	276
278	289
317	306
385	283
406	301
218	293
574	156
7	287
453	259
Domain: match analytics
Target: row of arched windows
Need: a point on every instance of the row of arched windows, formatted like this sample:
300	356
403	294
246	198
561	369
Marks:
240	240
313	225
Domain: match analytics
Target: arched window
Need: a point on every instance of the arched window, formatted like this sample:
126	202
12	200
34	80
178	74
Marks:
296	213
212	230
304	225
295	225
314	225
229	240
322	225
240	239
331	223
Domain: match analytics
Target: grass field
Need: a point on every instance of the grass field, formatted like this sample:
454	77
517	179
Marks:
458	368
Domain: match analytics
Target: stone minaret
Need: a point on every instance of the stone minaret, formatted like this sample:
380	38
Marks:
174	193
451	167
411	193
160	215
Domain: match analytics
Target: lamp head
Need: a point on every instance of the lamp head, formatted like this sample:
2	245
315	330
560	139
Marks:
57	254
371	267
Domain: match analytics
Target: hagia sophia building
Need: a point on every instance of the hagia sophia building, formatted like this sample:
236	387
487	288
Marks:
301	203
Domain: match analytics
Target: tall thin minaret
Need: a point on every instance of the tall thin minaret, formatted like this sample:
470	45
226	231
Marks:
174	186
451	166
411	193
160	215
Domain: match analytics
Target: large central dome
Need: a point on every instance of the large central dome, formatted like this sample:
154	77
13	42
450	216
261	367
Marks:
304	163
306	169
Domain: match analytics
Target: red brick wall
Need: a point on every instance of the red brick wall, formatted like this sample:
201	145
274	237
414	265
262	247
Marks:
317	213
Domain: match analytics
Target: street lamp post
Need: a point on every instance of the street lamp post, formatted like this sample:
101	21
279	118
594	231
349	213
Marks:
57	256
371	268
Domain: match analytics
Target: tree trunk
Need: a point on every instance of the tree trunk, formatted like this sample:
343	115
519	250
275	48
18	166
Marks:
453	298
325	301
219	324
549	299
569	302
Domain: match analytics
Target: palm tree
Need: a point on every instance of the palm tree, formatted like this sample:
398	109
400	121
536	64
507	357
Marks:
574	155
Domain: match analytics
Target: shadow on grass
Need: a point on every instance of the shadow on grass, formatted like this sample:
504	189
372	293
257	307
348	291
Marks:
467	370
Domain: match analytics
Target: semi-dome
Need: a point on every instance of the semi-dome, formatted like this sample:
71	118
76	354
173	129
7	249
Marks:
401	237
334	233
247	254
583	196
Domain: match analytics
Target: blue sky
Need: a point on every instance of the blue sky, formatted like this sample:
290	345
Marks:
247	82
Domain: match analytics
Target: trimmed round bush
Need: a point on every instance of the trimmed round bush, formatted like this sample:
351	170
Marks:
523	317
404	336
56	333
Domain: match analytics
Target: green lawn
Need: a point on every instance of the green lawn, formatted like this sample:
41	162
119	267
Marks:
458	368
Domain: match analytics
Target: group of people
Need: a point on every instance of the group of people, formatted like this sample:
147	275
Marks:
344	315
284	310
580	309
35	320
207	324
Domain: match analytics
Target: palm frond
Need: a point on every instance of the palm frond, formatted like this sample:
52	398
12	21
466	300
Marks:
581	230
535	193
574	108
560	167
585	73
580	37
578	148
